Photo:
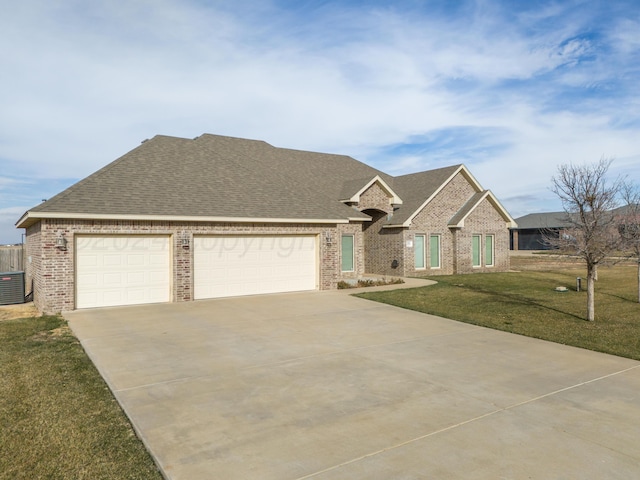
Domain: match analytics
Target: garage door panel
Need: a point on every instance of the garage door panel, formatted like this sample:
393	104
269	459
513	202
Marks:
236	265
111	297
136	278
156	259
87	279
87	260
112	260
87	298
136	259
122	270
111	279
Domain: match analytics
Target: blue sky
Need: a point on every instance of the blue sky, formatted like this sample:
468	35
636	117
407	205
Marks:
510	88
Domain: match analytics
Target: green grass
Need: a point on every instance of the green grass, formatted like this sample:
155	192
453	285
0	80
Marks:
526	303
58	419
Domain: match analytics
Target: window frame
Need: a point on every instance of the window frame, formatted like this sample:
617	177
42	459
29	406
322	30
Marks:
490	254
438	238
476	238
415	251
353	252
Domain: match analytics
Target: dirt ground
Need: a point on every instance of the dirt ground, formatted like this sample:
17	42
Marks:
21	310
523	260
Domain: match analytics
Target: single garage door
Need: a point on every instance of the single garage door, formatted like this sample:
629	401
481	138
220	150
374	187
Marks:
228	266
122	270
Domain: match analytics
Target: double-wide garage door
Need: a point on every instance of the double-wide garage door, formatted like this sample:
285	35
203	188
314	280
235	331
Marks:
136	269
228	266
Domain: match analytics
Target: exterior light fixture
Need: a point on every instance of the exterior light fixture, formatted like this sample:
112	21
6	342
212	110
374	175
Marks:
184	239
61	242
327	237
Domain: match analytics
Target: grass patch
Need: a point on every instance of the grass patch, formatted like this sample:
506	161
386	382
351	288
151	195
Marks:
526	303
58	419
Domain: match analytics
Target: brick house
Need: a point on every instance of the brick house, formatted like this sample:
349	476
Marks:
179	220
530	231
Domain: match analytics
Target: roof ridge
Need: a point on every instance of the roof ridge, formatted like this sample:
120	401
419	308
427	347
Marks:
230	137
433	170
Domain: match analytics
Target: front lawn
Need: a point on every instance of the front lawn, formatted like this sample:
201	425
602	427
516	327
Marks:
526	303
58	419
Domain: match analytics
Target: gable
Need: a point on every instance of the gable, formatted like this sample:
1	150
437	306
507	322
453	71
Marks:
455	183
478	199
376	197
375	193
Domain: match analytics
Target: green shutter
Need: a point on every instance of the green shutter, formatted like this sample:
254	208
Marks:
347	253
488	250
419	251
434	251
476	250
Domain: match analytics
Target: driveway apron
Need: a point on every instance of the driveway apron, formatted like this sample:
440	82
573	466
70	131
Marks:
323	385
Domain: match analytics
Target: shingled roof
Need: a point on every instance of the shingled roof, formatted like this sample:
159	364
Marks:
543	220
417	189
213	177
218	178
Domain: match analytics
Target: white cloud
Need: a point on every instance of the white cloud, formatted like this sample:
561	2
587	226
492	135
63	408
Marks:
9	234
89	81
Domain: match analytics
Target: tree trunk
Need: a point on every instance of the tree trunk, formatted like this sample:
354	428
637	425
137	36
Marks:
639	280
591	314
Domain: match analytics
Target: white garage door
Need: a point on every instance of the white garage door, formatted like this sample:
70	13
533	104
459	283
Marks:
122	270
228	266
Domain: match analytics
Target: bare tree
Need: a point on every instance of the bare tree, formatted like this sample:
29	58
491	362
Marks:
629	223
588	199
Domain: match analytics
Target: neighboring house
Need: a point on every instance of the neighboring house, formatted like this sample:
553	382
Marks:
531	230
179	219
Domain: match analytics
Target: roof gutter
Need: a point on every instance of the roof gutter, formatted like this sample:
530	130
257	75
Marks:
29	218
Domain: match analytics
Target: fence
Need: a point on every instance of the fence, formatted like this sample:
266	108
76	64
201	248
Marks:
12	258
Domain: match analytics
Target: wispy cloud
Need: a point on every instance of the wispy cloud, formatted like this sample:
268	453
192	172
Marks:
511	88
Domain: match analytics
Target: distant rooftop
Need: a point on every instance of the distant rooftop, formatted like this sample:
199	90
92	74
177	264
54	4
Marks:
543	220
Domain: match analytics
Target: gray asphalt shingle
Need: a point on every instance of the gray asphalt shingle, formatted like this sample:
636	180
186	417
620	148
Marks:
218	176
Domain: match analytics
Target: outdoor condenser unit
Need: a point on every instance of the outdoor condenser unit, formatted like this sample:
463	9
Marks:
11	288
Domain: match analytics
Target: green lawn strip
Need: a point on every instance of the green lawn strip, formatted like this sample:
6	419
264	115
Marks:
58	419
526	303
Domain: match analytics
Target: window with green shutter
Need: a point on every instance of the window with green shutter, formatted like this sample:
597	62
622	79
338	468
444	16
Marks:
347	253
419	251
434	251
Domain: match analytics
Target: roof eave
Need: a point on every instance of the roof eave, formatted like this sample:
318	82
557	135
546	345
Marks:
398	225
29	218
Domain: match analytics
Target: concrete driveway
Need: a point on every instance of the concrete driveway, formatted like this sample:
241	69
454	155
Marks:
325	386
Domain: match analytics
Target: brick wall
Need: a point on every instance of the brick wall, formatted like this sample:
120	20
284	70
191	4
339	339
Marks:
33	271
354	229
53	270
455	244
376	198
433	219
381	245
483	221
384	245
